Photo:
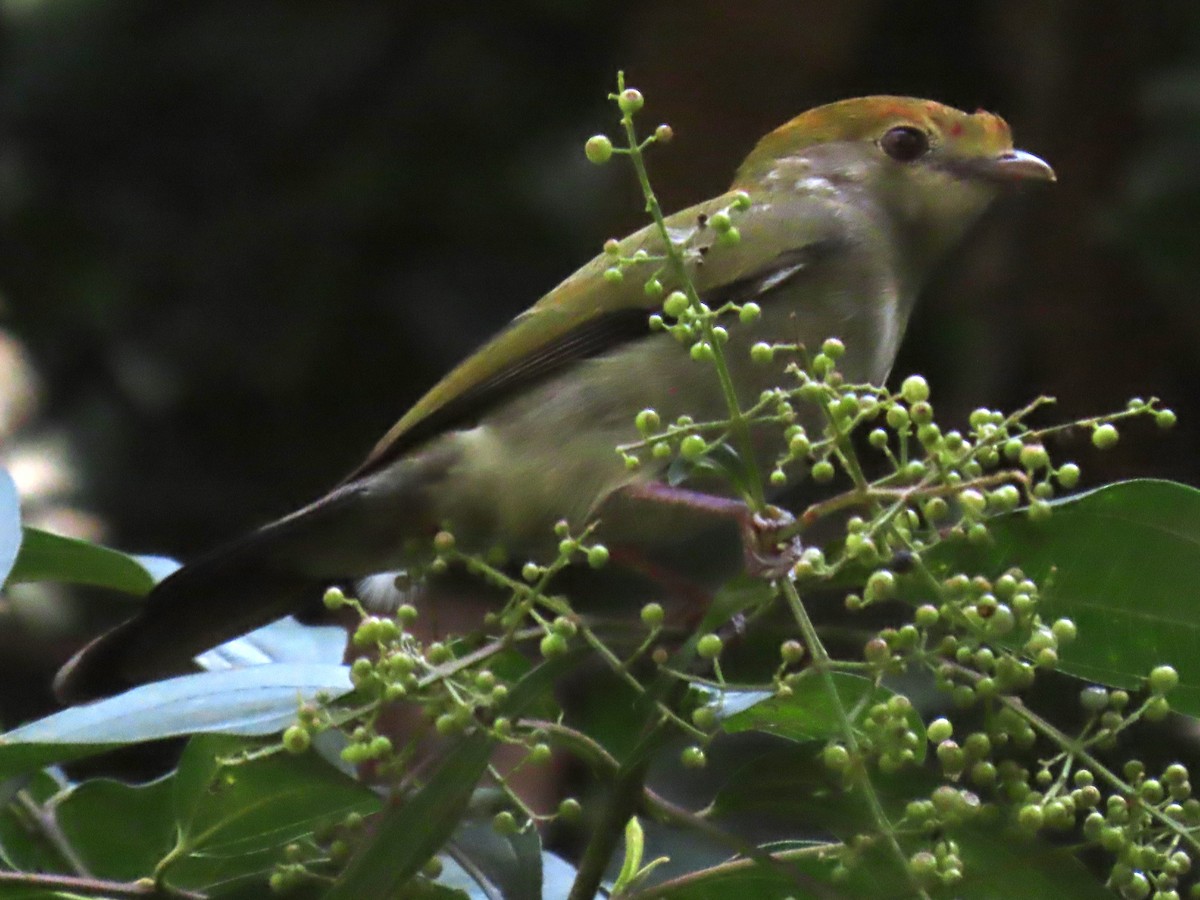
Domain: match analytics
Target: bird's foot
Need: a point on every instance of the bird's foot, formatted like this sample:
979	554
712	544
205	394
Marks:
768	555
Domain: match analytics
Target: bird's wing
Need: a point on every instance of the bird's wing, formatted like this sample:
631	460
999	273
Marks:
588	314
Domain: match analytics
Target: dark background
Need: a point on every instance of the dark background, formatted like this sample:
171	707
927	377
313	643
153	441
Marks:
240	239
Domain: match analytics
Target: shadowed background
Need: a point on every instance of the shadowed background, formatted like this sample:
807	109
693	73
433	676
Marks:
240	239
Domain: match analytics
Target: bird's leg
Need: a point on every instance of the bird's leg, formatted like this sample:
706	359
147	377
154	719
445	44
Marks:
764	555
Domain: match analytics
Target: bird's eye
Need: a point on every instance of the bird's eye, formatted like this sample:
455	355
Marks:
904	143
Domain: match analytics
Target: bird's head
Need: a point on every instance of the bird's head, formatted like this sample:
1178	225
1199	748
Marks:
931	169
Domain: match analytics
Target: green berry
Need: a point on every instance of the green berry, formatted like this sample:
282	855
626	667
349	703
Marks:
749	313
1164	418
709	646
630	101
598	149
762	353
1034	457
791	652
915	389
570	810
676	304
1163	679
664	133
296	739
652	615
939	730
693	758
692	447
881	585
504	823
1068	475
730	238
836	757
822	471
553	645
1104	436
720	222
704	718
597	556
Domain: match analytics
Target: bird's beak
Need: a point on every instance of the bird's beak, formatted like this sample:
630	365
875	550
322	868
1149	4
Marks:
1017	165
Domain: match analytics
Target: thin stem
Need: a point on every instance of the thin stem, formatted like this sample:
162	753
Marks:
823	663
96	887
737	419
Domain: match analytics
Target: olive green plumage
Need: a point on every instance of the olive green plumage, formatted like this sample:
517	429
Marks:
851	206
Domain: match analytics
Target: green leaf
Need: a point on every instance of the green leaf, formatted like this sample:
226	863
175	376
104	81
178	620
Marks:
282	641
500	865
411	832
251	701
52	557
146	832
10	524
234	816
24	844
810	713
790	789
1123	563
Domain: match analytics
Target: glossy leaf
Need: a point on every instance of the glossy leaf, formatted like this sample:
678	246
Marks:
1123	563
234	817
413	831
146	832
810	713
252	701
282	641
790	789
51	557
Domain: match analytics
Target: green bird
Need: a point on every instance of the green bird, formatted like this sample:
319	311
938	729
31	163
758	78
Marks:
851	206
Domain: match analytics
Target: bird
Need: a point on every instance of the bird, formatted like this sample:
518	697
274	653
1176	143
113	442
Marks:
843	213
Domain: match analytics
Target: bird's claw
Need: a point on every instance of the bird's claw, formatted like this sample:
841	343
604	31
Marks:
766	556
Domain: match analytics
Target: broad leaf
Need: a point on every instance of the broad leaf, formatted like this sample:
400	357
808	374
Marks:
234	816
811	714
251	701
147	830
52	557
1122	562
413	831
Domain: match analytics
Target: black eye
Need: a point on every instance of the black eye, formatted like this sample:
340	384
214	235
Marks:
904	143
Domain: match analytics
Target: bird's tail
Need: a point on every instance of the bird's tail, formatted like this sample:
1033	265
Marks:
227	593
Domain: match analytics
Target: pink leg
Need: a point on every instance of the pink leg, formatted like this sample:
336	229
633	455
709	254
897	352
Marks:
764	557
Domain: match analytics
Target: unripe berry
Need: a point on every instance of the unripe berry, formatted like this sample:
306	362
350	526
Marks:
709	646
1105	436
1163	679
652	615
630	101
692	447
914	389
296	739
822	471
598	149
676	304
